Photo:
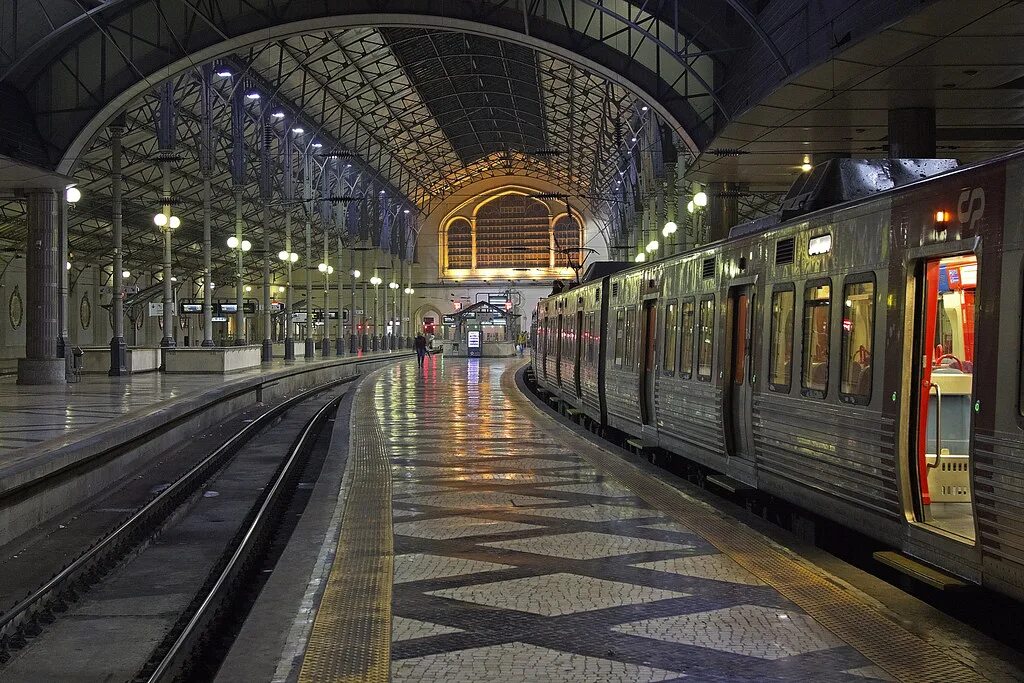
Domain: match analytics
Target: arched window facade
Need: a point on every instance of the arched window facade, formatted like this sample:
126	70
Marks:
509	230
460	244
512	232
567	241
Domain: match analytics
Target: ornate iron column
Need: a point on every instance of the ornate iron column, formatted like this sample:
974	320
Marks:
118	348
307	203
206	164
167	133
266	195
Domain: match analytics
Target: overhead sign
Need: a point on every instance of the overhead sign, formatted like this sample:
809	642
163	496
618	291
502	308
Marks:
156	309
187	307
447	319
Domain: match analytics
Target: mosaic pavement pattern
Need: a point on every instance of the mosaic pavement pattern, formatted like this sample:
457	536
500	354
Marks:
515	560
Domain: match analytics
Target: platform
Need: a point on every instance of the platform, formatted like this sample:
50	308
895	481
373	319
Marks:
32	415
477	539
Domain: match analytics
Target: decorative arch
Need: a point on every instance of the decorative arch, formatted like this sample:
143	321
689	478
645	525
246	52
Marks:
513	233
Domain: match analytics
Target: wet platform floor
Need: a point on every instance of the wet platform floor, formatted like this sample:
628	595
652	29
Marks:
519	551
31	415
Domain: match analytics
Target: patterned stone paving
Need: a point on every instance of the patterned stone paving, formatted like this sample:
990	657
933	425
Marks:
509	575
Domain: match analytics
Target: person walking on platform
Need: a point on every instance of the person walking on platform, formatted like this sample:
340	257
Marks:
521	343
421	348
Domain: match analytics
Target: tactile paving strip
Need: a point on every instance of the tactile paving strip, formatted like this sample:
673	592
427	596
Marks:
902	654
351	635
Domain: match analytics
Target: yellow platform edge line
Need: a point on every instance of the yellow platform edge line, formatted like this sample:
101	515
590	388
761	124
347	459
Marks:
351	635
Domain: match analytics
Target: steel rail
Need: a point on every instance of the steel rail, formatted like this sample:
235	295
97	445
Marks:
175	660
22	619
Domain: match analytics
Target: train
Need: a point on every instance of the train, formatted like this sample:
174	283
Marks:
858	355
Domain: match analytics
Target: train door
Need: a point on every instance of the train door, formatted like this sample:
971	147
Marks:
738	390
946	297
649	360
579	353
558	352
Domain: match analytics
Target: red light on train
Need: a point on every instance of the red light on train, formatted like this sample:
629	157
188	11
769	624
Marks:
942	219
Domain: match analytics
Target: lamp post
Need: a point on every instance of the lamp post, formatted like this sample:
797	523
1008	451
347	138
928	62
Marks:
376	281
327	271
392	344
288	258
239	246
166	222
409	291
353	340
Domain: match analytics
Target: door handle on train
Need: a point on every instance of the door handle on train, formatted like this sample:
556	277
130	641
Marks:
938	423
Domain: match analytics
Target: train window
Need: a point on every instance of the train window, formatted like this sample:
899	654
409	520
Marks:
858	333
705	338
686	341
780	359
630	337
620	335
668	363
817	310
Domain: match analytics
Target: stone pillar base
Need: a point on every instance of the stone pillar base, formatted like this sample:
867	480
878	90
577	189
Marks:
35	371
267	356
339	346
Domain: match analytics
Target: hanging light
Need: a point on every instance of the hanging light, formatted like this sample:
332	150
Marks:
232	242
317	145
330	270
669	229
641	257
246	245
690	208
652	246
277	115
223	73
700	199
356	273
160	219
174	223
248	288
72	195
282	255
293	257
806	166
68	264
252	96
322	267
375	281
126	273
393	285
298	131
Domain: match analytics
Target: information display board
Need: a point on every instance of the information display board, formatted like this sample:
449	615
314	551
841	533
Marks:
473	343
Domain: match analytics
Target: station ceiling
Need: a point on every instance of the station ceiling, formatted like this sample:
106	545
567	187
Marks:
433	96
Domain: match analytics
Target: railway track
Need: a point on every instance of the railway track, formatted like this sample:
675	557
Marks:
251	476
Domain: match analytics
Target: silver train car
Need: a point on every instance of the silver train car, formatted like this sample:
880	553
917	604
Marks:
862	361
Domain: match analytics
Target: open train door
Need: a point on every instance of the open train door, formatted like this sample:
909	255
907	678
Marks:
738	389
649	358
946	300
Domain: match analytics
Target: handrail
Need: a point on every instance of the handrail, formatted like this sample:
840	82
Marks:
938	423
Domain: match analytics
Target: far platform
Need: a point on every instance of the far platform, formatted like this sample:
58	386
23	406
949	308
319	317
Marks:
32	415
460	533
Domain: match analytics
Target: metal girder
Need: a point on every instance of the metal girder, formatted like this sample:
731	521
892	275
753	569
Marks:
92	63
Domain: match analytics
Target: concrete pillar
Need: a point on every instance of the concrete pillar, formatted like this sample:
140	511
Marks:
722	209
118	347
912	133
42	291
